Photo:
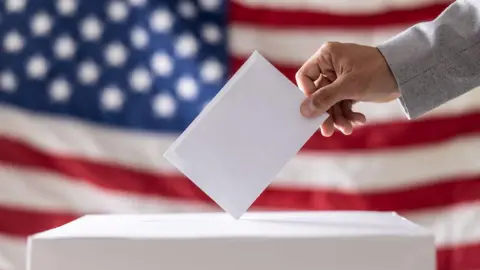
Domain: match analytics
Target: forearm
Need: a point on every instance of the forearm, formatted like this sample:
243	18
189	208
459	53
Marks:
434	62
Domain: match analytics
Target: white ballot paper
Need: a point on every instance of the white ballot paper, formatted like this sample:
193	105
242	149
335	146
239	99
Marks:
241	140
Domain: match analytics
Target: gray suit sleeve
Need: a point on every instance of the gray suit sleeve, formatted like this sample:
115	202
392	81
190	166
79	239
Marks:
436	61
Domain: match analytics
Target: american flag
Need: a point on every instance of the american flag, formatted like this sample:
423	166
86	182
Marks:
93	92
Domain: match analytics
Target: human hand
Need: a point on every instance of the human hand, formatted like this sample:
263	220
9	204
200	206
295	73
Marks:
339	75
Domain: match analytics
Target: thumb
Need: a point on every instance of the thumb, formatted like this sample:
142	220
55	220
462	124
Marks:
325	98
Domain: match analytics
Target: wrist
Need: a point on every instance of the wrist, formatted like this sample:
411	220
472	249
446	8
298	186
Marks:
388	82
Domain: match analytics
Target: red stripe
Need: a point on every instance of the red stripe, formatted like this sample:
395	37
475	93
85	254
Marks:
464	257
261	16
115	177
23	223
401	134
287	70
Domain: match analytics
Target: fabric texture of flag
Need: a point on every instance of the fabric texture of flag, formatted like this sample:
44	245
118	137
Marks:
93	92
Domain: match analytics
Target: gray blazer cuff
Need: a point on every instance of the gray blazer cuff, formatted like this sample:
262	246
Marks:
398	53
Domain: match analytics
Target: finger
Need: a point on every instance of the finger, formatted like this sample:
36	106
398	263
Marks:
324	59
321	82
307	75
318	64
346	107
358	118
350	115
328	127
325	98
341	123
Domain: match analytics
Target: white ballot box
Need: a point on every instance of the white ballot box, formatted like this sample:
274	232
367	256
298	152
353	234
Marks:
216	241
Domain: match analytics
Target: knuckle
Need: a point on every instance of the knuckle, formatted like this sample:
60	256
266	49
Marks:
329	47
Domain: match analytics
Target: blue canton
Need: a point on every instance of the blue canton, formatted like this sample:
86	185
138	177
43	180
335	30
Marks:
143	64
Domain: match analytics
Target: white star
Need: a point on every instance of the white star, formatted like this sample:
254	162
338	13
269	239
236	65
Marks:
91	28
64	47
37	67
60	90
88	72
117	11
186	45
187	88
211	71
162	64
139	37
8	82
116	54
13	42
187	9
138	3
112	98
15	5
164	105
211	33
161	20
210	5
41	24
67	7
140	80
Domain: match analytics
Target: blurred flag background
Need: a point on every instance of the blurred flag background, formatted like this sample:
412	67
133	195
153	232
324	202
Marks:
93	92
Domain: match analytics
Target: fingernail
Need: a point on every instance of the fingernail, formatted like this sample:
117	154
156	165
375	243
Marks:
307	109
360	123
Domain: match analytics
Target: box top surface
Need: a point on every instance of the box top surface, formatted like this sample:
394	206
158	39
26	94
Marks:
251	225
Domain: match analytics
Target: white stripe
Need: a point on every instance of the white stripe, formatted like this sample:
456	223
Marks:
69	136
453	225
384	170
391	111
39	190
294	46
364	171
340	6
